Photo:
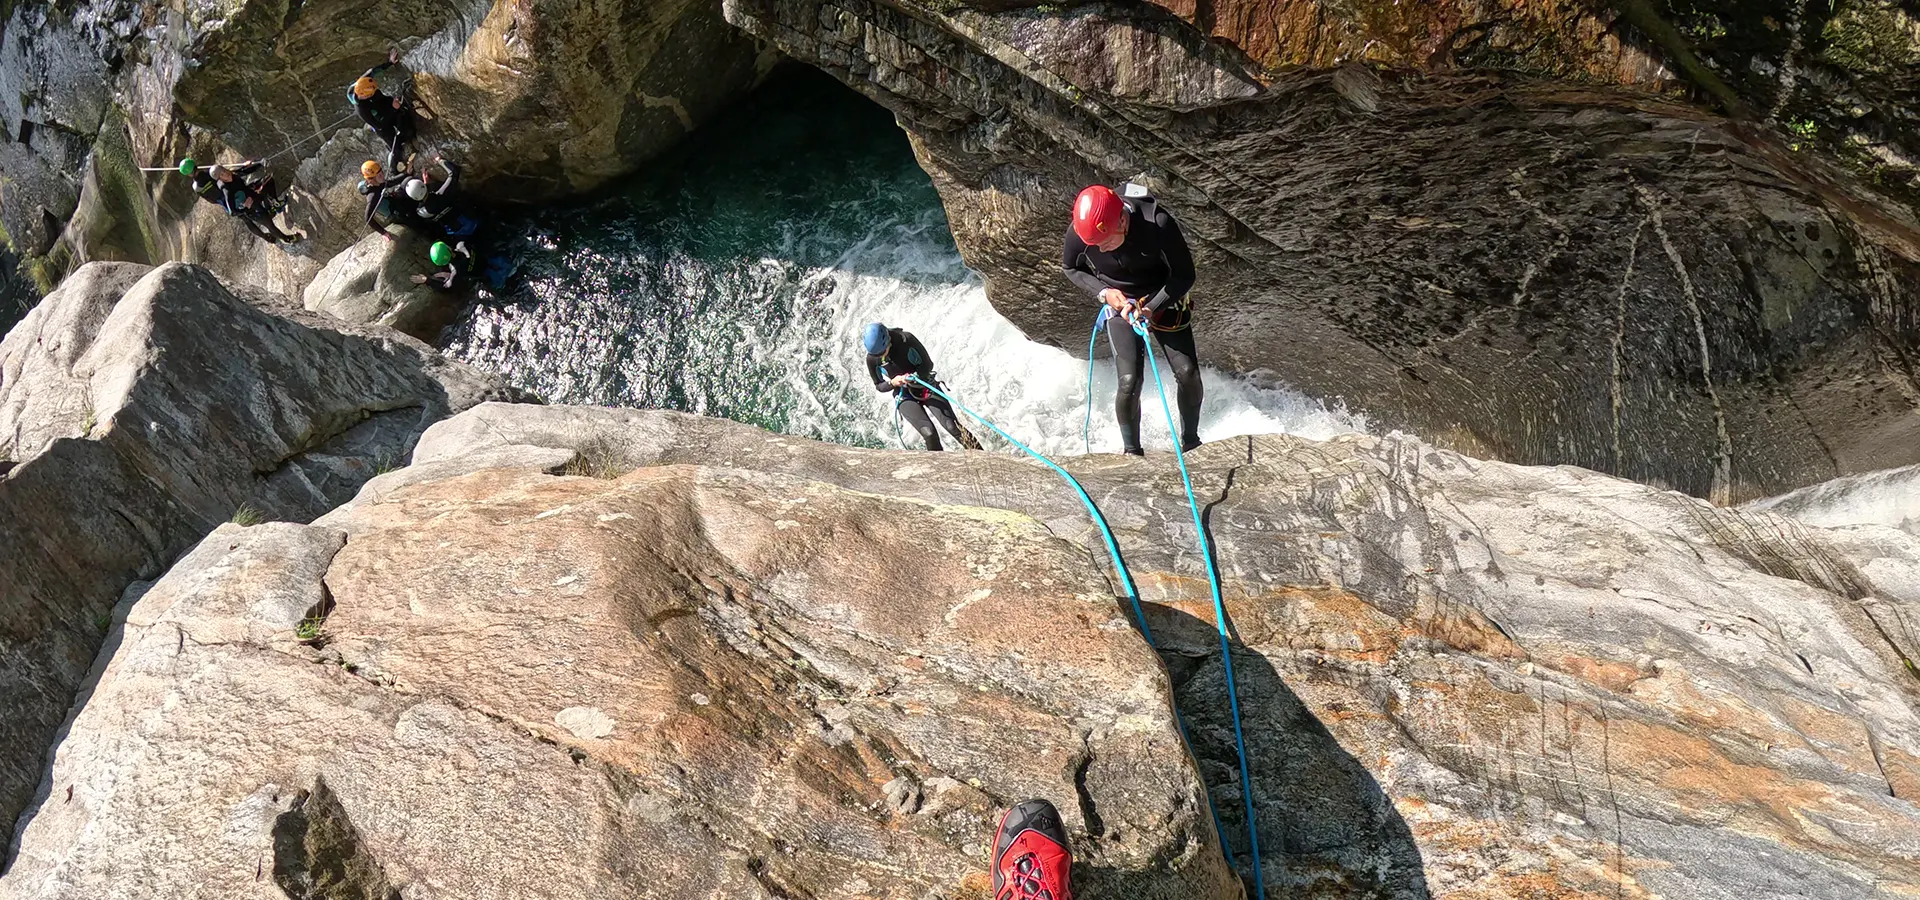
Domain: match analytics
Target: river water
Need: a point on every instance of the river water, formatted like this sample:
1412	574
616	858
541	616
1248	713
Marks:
734	278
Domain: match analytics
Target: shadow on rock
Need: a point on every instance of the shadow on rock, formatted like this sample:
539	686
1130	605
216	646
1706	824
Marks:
1326	827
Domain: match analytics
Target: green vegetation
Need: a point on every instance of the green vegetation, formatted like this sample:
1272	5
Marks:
312	631
246	516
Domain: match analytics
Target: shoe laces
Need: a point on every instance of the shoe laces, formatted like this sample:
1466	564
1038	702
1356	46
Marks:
1025	882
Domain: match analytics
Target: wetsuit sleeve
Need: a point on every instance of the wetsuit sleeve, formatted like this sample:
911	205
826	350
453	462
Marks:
376	70
247	169
1180	277
453	175
1072	255
373	208
873	371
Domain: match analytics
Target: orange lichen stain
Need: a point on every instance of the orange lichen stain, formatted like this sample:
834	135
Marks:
1560	37
1463	628
1614	676
1321	618
1902	771
1757	799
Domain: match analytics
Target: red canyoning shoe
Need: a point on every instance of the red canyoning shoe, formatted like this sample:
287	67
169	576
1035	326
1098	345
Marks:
1030	856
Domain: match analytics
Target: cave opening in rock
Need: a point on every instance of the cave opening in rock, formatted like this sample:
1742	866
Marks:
733	277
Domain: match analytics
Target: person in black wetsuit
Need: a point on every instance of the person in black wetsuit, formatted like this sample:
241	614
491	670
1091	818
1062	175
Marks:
390	117
437	208
893	356
254	204
386	198
1131	256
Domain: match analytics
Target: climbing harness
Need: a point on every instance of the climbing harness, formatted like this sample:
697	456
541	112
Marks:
1219	613
1140	616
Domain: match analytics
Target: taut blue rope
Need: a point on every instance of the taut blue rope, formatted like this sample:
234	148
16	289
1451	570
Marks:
1219	613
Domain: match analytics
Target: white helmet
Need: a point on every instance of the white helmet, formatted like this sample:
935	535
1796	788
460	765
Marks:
416	189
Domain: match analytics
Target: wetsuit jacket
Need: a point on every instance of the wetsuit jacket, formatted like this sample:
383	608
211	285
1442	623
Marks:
230	195
1153	263
440	201
904	355
400	207
377	111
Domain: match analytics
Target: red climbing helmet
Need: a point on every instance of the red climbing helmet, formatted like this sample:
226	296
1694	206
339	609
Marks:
1098	214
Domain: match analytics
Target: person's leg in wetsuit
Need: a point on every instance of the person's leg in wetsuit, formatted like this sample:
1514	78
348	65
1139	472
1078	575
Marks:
263	227
915	413
1129	363
1184	359
942	414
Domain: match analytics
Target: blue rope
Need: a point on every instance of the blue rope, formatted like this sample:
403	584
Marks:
1126	580
1106	533
1219	614
1086	423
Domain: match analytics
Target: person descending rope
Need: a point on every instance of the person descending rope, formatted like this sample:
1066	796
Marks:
253	203
894	357
385	199
1130	255
391	118
1031	859
437	207
456	265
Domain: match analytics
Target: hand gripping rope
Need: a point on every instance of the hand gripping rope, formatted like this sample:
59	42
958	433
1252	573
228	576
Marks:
1133	597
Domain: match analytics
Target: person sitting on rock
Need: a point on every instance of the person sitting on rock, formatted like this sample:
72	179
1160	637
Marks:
385	199
894	358
1130	255
1031	858
437	206
455	262
391	118
253	203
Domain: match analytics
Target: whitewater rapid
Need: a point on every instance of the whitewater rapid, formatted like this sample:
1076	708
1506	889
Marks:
808	374
734	280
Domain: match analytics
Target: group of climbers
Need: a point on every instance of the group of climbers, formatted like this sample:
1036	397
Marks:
1132	257
418	201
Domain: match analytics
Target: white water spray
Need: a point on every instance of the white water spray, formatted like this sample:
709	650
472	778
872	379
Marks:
907	276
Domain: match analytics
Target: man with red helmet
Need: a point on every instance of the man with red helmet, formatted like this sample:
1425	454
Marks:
1130	254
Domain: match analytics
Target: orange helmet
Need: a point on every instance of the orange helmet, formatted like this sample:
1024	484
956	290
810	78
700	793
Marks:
370	170
365	87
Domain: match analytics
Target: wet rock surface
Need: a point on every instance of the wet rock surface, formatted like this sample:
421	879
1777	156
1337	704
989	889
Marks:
141	407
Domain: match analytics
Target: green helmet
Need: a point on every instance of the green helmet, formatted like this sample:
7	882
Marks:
186	166
440	253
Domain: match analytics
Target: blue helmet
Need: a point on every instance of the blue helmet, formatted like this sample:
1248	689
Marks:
875	339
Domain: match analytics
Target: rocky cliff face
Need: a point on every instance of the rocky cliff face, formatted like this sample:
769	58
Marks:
540	100
671	656
1494	222
141	407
